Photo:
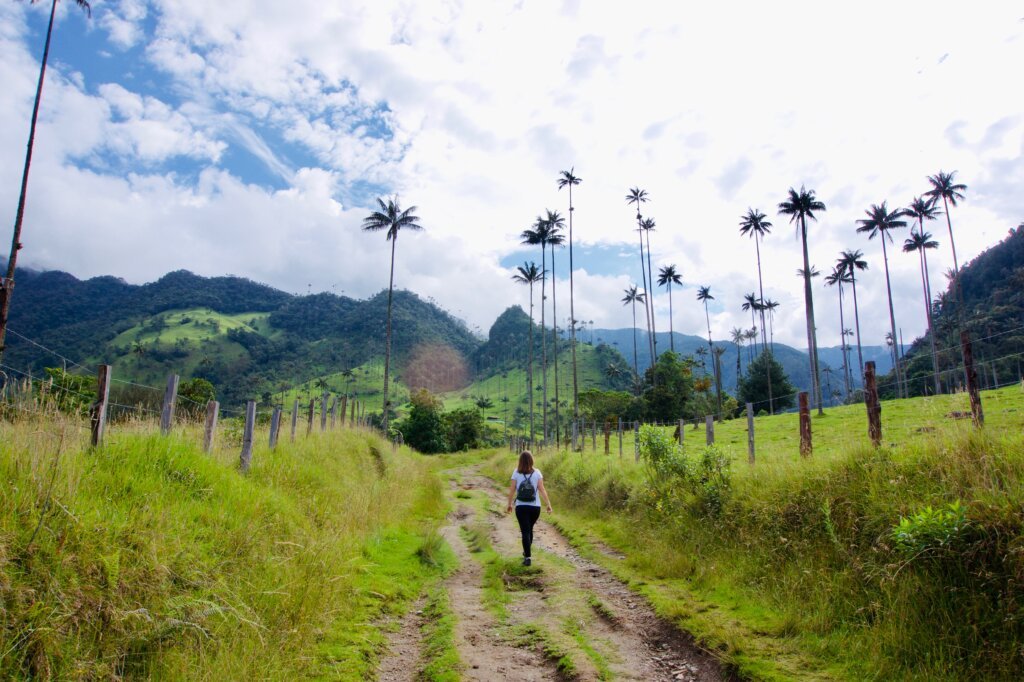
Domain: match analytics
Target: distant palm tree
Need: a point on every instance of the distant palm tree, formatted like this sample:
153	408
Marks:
637	197
800	206
751	336
755	225
849	262
836	279
7	284
704	295
529	274
751	303
739	336
568	179
632	296
880	222
922	242
771	306
555	238
393	220
348	376
667	276
648	226
539	236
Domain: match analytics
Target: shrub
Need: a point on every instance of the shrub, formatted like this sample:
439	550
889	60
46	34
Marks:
930	531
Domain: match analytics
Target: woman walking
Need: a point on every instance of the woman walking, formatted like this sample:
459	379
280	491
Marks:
526	490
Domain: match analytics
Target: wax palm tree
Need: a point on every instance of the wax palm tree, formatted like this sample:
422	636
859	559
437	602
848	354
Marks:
751	303
850	261
667	276
739	336
751	336
800	206
880	223
836	279
348	376
569	179
944	186
647	224
539	236
555	224
637	197
771	306
529	274
921	242
755	225
393	220
7	283
632	296
704	295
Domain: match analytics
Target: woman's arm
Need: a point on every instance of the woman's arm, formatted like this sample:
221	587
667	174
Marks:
511	496
544	494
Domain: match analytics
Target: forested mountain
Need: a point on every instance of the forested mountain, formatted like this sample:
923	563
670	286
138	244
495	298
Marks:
993	314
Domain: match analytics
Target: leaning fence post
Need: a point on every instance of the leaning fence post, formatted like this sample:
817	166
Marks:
309	418
750	432
682	429
323	411
972	379
250	424
873	405
709	429
210	428
295	417
805	425
620	437
99	408
170	398
275	424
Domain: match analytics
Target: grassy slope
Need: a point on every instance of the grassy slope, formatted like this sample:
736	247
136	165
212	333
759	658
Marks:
152	559
194	325
796	577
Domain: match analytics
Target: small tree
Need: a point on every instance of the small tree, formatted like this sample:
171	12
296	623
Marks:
196	393
668	386
754	384
424	429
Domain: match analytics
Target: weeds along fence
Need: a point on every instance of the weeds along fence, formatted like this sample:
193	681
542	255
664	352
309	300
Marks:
98	409
877	423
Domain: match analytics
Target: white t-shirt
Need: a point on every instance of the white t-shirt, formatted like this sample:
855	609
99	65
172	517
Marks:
535	479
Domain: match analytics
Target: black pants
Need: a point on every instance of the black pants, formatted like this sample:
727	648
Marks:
527	515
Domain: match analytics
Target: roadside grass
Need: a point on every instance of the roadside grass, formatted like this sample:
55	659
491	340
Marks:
149	558
798	573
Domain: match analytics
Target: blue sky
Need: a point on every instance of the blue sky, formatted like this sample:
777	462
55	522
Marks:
250	138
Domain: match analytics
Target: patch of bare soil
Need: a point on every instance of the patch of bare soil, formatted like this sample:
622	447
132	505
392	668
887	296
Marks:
403	648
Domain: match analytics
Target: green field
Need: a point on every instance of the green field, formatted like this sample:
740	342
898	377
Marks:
194	325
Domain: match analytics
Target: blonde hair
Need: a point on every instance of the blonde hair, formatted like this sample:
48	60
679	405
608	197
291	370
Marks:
525	463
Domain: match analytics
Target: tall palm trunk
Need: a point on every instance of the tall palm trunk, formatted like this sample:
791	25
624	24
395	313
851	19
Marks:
764	332
650	302
636	364
554	337
739	370
812	334
7	286
856	320
387	331
543	339
892	323
927	289
671	328
529	369
842	341
572	321
643	279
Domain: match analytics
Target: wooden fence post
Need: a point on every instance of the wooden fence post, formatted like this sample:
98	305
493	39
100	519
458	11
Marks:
344	409
972	379
275	425
170	398
295	417
212	412
309	417
575	433
682	429
620	437
805	425
352	415
593	436
250	424
872	403
607	437
334	412
323	411
99	408
750	432
709	429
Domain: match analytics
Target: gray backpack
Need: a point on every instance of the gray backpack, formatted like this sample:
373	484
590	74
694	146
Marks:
526	492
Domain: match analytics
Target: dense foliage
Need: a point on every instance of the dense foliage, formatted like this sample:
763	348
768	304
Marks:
754	385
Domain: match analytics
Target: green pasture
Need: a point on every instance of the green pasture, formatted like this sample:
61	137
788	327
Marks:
193	325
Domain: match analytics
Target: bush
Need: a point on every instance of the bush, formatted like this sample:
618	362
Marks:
930	531
708	478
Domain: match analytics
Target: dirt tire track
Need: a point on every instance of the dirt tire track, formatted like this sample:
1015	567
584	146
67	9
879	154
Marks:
645	647
403	646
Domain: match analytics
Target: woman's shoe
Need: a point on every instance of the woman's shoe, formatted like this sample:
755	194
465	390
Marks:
526	561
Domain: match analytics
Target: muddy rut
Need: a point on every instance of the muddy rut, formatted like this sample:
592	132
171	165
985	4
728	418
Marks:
605	629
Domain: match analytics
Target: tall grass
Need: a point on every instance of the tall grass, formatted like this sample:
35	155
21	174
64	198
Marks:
148	558
801	554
